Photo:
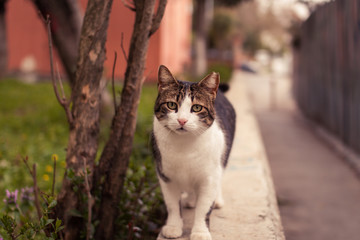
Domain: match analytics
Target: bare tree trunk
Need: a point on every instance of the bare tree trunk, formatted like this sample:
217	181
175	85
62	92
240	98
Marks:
115	157
202	16
86	93
66	20
3	40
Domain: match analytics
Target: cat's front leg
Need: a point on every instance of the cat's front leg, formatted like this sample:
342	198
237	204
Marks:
174	222
207	195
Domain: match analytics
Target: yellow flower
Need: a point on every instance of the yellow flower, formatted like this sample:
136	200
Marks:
49	168
46	177
54	157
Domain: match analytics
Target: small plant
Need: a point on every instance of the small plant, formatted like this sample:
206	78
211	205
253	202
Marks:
19	220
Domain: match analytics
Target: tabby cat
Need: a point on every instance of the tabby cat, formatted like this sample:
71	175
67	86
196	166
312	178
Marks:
193	131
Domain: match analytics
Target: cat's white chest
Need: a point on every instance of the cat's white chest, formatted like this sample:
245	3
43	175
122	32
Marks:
188	159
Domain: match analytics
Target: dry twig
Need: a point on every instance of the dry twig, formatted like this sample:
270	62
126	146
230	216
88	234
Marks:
122	47
128	5
25	160
113	81
149	191
36	189
157	18
60	82
63	102
36	192
54	177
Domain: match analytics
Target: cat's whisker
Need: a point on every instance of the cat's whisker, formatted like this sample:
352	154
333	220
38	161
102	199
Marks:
197	131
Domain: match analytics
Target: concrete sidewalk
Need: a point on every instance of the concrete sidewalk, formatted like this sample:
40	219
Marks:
319	192
250	211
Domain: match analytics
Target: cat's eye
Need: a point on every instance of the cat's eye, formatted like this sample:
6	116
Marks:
196	108
171	105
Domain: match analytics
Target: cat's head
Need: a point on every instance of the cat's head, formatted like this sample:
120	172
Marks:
185	107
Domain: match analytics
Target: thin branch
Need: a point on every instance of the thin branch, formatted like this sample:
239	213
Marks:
62	101
87	188
149	191
36	192
122	47
36	189
157	18
36	196
25	160
126	4
146	77
16	237
54	177
60	82
52	60
113	81
42	194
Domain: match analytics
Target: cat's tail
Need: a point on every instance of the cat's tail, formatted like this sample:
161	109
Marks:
224	87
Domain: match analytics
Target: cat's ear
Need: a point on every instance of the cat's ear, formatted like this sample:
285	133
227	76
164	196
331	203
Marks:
165	78
211	83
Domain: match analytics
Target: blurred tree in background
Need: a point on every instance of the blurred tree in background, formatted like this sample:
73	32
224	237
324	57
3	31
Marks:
235	30
202	20
66	22
257	30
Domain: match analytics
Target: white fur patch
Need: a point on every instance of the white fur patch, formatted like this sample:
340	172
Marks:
186	157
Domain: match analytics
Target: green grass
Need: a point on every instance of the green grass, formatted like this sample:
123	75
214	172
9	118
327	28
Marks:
223	69
33	124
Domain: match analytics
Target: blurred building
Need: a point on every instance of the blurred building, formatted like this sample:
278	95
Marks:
170	45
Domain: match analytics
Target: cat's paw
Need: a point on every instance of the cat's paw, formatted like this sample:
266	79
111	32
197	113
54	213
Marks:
219	203
200	236
171	231
189	203
189	200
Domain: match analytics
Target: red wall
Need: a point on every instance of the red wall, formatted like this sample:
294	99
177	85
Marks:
26	36
170	45
176	35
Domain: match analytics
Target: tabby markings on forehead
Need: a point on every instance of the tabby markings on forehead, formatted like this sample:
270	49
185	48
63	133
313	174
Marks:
176	94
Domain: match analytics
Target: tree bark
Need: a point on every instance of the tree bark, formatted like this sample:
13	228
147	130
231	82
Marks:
3	40
86	95
66	21
116	154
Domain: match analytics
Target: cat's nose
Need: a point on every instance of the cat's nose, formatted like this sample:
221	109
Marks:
182	121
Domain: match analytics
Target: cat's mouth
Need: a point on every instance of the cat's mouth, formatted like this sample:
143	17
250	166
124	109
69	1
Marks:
181	129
